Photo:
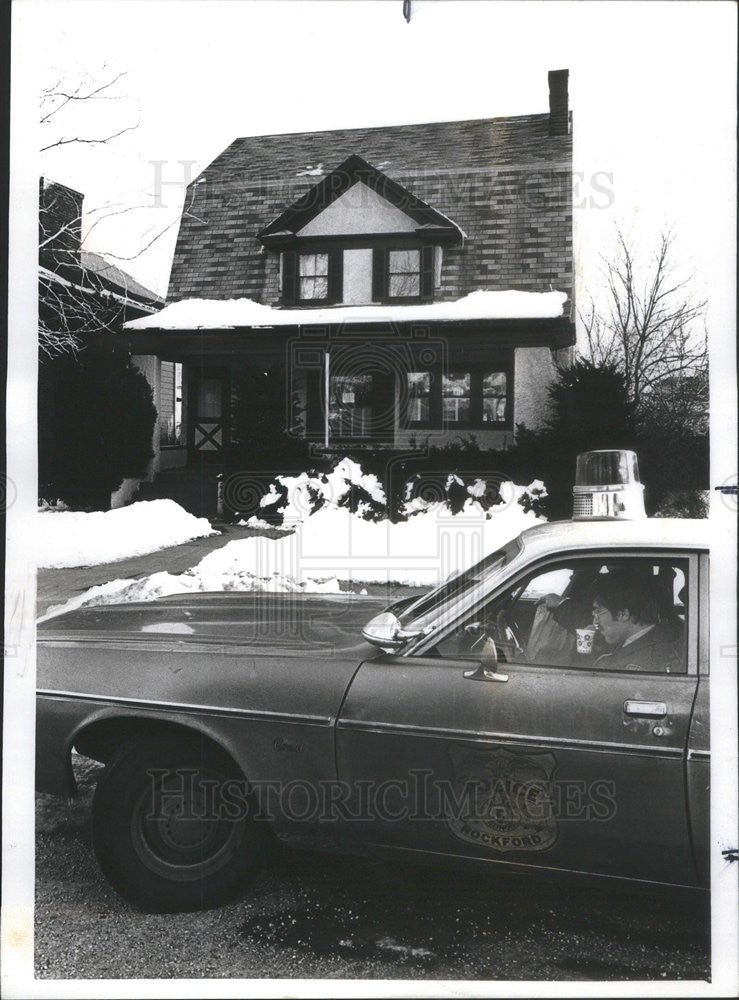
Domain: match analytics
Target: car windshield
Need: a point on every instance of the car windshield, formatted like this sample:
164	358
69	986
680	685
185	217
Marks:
428	608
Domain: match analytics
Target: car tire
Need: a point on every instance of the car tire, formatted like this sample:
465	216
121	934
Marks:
164	833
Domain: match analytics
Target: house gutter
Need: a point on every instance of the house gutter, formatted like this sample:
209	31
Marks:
554	333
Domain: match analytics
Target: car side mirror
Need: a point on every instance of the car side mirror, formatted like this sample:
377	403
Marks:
488	668
385	631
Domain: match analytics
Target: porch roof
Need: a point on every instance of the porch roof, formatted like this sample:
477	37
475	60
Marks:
233	314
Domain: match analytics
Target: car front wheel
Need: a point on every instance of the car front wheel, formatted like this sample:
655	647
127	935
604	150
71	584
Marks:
173	825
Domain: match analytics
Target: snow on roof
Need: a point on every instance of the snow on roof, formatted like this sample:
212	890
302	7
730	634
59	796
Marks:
52	278
222	314
99	265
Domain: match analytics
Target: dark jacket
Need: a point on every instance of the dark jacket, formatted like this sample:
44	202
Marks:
660	651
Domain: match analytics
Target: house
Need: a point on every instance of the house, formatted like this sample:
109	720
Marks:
83	303
80	292
414	282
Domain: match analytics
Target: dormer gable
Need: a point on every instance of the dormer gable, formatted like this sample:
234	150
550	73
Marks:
358	211
357	199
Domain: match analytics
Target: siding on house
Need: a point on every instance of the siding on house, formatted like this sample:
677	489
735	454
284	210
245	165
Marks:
166	398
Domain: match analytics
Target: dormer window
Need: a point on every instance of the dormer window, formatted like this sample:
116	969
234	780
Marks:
359	237
403	275
311	279
312	276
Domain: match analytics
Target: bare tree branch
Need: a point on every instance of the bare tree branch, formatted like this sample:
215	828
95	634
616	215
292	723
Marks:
57	97
89	142
74	301
646	323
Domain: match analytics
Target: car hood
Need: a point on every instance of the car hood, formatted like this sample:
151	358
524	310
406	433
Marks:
303	620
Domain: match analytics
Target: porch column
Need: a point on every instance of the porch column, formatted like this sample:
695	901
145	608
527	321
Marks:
326	405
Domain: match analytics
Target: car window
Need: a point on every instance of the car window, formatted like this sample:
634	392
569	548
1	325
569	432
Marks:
608	613
426	609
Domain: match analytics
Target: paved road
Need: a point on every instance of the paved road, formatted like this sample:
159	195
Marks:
310	915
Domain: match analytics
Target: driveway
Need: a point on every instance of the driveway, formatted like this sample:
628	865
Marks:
55	586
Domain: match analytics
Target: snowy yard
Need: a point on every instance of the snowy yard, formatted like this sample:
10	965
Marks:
72	538
328	549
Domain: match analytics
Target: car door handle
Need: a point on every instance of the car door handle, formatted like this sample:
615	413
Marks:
646	709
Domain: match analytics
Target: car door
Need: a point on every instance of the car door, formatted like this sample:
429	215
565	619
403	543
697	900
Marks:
561	763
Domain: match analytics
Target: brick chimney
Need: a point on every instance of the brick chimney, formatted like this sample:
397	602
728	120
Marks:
558	102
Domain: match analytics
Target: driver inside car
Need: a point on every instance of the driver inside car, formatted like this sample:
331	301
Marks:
626	612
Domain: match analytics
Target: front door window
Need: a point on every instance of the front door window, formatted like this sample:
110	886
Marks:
210	416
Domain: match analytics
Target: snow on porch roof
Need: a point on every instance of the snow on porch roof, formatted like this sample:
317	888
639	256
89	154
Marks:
224	314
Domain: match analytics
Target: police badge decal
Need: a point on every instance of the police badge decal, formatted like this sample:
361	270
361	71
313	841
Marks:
503	800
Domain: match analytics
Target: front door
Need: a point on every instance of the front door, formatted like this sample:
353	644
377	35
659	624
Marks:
209	420
568	763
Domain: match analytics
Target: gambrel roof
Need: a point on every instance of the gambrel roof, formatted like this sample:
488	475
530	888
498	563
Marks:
504	182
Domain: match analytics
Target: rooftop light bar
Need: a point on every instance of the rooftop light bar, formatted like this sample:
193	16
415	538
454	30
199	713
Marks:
607	486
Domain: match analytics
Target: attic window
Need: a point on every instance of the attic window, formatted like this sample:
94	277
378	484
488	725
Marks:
311	279
404	274
313	276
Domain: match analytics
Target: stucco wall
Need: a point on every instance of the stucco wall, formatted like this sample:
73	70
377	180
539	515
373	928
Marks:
534	373
359	210
357	288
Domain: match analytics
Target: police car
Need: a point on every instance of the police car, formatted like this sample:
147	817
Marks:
544	711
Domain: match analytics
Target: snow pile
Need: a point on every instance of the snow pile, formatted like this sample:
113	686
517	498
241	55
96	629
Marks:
422	493
73	538
258	522
336	543
291	499
225	314
51	506
533	496
334	547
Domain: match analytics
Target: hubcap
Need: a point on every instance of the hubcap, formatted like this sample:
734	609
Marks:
176	830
